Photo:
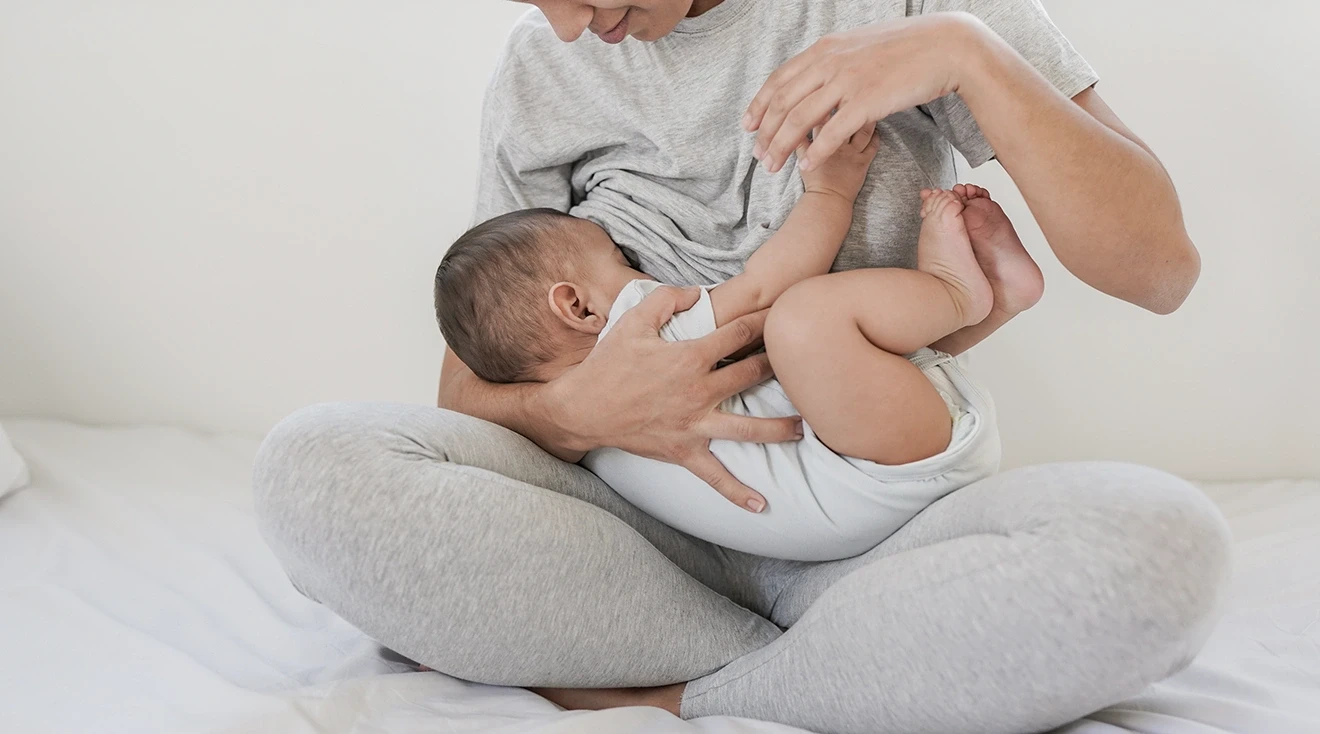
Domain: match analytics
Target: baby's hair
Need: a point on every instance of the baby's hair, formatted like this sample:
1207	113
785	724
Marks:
491	289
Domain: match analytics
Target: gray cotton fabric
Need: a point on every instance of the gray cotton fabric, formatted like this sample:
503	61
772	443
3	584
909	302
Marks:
645	139
1013	605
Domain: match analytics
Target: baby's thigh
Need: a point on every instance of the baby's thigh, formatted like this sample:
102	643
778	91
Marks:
861	400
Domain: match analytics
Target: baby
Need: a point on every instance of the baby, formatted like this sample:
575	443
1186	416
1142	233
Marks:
889	425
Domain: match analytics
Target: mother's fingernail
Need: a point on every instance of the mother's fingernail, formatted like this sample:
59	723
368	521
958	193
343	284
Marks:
755	505
804	164
747	121
758	152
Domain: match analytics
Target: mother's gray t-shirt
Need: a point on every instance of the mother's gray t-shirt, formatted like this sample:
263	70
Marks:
645	138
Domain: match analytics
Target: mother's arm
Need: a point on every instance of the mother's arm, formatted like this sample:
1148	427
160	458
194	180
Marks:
1104	202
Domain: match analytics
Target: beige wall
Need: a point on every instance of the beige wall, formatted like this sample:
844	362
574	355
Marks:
1226	387
211	213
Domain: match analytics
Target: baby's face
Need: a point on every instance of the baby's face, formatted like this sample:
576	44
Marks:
604	269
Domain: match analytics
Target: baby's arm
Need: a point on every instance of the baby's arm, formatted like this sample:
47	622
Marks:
809	240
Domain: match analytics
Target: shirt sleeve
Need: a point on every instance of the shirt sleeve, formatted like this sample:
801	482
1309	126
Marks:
693	323
1026	27
510	176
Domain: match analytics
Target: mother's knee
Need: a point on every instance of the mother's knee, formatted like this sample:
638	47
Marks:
325	463
1181	525
302	451
1162	549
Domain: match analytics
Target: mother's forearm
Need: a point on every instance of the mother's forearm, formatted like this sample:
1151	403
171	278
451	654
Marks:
525	407
1103	200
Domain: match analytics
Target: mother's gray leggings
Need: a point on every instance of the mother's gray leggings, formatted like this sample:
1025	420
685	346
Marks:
1014	605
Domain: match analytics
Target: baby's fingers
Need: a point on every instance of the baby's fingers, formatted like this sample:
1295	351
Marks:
863	139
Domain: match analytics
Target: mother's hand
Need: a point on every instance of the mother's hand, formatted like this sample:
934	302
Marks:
859	76
660	399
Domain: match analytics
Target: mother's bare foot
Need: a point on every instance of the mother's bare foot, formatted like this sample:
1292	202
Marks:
1014	277
595	699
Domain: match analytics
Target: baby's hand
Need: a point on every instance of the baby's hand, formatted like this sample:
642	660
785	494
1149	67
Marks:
844	172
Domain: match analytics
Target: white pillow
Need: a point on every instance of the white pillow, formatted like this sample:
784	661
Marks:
13	472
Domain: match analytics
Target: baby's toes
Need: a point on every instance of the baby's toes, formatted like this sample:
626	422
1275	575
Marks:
935	206
949	206
928	199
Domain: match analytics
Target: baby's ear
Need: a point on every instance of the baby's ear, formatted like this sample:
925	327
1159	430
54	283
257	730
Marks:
568	302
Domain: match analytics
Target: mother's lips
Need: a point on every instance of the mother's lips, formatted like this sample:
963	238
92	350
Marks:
617	33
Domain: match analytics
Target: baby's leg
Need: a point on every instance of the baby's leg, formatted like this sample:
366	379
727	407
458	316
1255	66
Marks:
837	343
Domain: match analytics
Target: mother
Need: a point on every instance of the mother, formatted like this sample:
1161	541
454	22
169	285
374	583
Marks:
1016	604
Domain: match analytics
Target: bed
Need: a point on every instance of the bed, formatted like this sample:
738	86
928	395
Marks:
136	596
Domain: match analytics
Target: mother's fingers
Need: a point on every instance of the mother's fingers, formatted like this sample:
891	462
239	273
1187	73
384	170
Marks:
708	469
730	380
657	308
788	70
784	101
723	426
782	135
733	336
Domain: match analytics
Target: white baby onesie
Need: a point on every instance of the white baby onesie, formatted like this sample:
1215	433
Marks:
822	506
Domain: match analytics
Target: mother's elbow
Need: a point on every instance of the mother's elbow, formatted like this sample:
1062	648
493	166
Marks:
1173	279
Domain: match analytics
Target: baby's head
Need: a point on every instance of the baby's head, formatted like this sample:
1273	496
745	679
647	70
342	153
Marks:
524	296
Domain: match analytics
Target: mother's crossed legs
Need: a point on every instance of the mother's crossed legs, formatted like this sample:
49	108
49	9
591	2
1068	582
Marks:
1013	605
465	547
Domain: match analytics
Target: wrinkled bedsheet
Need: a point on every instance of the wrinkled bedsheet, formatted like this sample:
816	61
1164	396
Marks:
136	596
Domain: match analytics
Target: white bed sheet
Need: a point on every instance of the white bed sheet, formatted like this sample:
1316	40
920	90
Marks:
136	596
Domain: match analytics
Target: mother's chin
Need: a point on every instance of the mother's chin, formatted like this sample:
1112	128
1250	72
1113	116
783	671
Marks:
644	20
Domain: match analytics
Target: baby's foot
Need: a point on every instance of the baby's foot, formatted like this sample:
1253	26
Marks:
944	250
1015	278
668	698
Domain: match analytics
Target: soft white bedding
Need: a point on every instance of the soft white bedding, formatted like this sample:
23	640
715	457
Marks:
13	472
136	596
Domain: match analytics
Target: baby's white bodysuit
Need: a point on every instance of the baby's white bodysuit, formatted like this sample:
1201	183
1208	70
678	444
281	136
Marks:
821	506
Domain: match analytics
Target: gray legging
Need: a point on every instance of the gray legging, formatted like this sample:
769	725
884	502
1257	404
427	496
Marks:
1014	605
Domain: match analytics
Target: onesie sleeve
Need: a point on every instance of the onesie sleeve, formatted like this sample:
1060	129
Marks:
1026	27
693	323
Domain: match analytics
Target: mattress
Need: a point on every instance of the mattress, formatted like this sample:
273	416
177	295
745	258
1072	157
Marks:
136	596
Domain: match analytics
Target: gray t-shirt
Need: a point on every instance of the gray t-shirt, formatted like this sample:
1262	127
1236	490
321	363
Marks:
645	138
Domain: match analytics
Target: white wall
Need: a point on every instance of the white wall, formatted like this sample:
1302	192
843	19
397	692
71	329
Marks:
1225	92
211	213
